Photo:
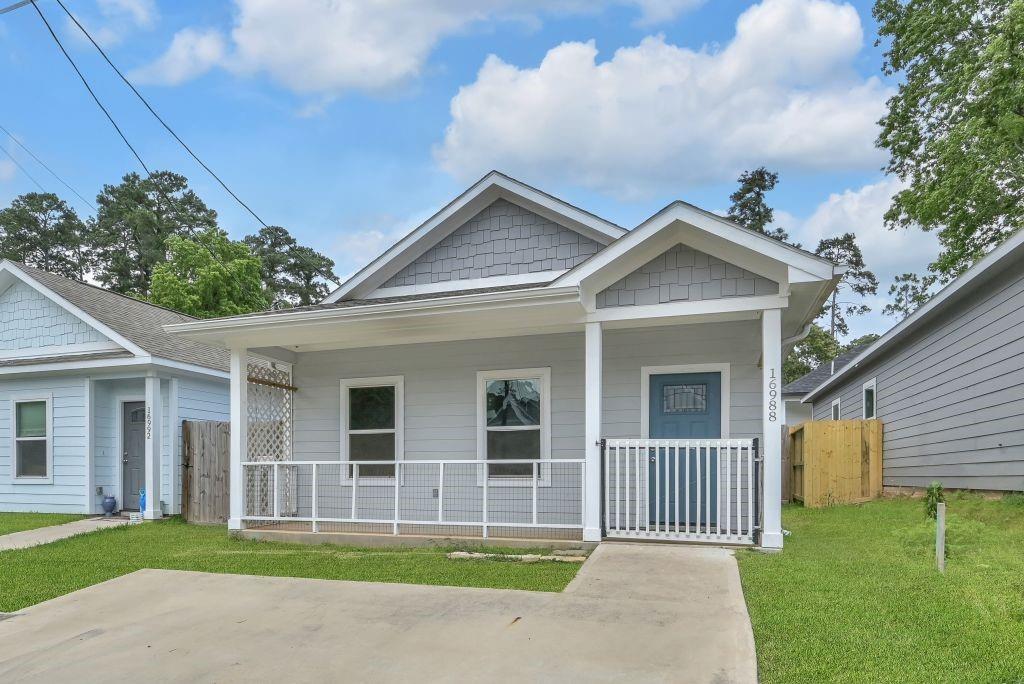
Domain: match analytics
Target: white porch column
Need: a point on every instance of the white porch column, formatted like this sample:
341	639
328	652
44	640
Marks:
154	420
592	433
773	416
239	434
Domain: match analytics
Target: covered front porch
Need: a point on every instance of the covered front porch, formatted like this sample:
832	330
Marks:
658	428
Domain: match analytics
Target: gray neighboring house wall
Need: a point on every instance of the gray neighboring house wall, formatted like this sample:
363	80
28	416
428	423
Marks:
949	382
85	351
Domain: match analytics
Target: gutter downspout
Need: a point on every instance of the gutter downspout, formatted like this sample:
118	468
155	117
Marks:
799	336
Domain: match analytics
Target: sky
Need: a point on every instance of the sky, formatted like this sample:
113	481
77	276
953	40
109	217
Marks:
349	122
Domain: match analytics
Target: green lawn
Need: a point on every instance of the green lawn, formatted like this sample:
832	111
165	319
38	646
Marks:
28	576
855	596
18	522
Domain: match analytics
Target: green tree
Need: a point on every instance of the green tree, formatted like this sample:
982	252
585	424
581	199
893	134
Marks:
857	280
908	292
749	207
293	275
812	351
134	220
208	276
859	342
955	127
41	230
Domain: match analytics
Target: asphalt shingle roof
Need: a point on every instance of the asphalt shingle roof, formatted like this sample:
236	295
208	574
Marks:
137	321
805	384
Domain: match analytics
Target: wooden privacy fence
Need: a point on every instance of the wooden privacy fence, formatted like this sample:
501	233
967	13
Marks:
206	462
835	462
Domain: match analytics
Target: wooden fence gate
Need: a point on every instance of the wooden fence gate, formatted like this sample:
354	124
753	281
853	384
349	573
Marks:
206	462
835	462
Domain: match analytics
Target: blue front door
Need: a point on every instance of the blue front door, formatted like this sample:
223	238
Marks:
684	406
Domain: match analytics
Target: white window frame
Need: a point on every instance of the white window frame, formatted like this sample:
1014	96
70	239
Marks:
29	399
873	385
837	409
485	376
396	381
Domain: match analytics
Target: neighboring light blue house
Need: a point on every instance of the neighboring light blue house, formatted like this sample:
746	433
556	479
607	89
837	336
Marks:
92	395
947	382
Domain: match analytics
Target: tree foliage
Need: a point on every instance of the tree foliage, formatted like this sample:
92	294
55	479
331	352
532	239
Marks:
814	350
208	276
41	230
293	274
134	220
955	128
908	292
857	280
749	207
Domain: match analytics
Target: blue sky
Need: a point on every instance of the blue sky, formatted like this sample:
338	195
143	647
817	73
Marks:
349	122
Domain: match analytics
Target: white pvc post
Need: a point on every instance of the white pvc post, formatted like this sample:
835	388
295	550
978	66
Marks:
239	434
940	536
154	419
592	433
772	417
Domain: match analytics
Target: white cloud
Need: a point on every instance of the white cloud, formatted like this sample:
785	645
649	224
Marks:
142	12
329	46
887	253
119	18
378	233
191	53
7	170
782	92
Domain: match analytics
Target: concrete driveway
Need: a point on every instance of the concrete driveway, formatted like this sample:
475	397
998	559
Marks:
634	613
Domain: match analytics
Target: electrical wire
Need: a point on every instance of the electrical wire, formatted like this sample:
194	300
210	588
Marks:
43	164
23	170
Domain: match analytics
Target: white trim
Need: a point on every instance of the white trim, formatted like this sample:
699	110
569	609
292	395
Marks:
120	362
482	378
491	187
106	330
59	350
996	256
836	409
396	381
723	369
91	503
16	399
536	278
697	308
119	401
873	384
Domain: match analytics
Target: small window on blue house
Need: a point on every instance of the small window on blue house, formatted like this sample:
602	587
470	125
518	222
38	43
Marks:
31	439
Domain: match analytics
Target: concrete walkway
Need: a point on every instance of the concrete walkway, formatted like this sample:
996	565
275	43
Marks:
45	535
634	613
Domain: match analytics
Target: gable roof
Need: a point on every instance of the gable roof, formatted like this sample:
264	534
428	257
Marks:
135	324
1011	251
495	185
807	382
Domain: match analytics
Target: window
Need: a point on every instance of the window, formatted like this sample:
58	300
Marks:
685	399
836	409
868	395
33	455
514	418
372	424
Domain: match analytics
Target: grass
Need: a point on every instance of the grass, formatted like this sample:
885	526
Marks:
28	576
855	596
19	522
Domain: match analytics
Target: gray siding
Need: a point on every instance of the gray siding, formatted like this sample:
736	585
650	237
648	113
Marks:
503	239
66	494
31	320
951	397
440	385
684	274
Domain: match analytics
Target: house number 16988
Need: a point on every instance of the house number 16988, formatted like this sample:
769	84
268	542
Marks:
149	423
773	396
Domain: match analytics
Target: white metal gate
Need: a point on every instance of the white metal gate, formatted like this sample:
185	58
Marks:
686	490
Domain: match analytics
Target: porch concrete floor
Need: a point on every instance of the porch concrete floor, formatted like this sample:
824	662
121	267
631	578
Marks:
634	613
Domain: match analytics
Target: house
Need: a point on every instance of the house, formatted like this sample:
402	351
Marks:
518	367
92	395
947	382
793	393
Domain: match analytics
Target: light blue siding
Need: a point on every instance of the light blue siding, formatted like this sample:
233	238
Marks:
31	320
66	494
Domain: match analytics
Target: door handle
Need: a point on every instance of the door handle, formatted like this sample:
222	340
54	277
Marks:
654	459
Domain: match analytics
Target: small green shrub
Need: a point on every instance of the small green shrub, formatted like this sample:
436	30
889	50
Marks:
933	496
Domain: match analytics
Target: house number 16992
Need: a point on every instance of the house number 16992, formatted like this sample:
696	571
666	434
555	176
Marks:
773	396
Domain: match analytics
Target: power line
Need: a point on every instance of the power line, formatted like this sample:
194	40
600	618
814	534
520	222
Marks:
157	116
43	164
11	8
16	163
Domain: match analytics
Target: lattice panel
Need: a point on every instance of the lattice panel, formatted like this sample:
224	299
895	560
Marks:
270	434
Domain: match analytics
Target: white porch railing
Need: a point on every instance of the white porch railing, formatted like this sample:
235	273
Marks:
688	490
503	498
